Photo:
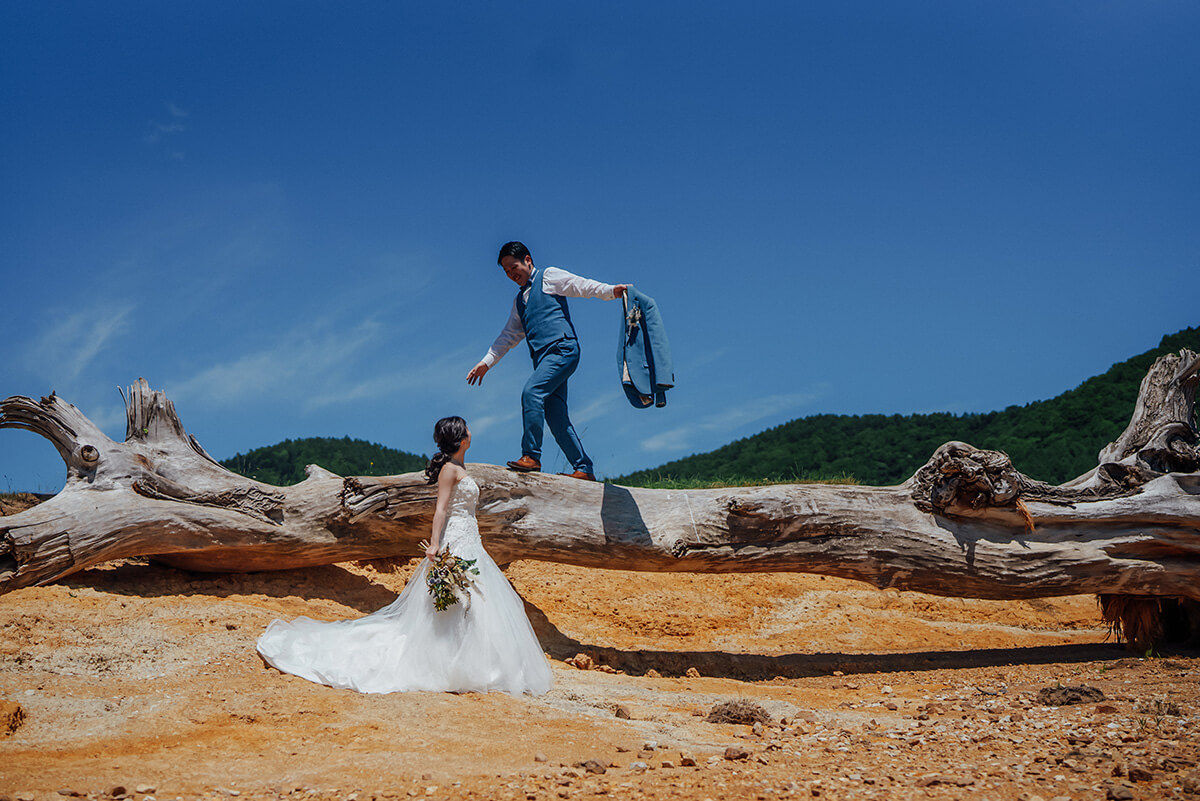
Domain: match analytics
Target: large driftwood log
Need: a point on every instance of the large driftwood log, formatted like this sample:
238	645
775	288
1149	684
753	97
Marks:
967	524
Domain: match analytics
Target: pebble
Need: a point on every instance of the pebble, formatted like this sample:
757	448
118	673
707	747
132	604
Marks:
581	661
650	746
621	711
540	757
638	766
692	673
1116	792
686	759
735	752
146	789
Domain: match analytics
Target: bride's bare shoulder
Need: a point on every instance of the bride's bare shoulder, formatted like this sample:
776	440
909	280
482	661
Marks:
451	474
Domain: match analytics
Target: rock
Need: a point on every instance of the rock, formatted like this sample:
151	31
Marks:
581	661
931	779
607	669
650	746
1118	792
621	711
736	752
1069	694
1190	782
757	729
653	674
25	795
692	673
540	757
891	706
667	764
686	759
886	689
72	793
592	766
116	792
1106	709
1139	773
622	749
11	717
146	789
638	766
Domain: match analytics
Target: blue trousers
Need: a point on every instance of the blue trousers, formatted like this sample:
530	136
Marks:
544	402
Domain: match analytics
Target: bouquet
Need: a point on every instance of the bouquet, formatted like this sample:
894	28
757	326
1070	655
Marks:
449	578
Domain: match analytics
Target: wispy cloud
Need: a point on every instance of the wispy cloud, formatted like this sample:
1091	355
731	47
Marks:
324	366
296	362
159	130
596	409
70	343
680	438
483	423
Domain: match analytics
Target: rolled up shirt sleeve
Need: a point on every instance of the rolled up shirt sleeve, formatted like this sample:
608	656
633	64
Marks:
512	333
557	281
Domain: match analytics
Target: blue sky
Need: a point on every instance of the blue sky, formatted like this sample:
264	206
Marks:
287	214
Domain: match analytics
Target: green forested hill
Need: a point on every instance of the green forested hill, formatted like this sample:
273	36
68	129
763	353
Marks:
1053	440
283	463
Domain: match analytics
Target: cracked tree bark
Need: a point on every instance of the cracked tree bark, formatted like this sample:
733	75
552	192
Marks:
967	524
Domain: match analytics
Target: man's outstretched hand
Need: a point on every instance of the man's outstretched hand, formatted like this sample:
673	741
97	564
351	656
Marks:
619	289
477	373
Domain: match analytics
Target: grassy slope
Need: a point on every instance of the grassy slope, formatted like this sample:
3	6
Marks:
1053	440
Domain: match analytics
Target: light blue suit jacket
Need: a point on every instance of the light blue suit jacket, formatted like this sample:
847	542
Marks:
644	354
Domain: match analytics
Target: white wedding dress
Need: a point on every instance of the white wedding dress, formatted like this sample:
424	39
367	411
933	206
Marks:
409	645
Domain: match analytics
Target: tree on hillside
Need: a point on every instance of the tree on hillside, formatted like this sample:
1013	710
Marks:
1052	440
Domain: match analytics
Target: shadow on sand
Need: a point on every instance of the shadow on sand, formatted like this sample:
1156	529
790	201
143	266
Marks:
334	583
759	667
136	577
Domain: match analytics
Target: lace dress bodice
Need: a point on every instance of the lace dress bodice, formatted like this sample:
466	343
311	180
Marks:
462	532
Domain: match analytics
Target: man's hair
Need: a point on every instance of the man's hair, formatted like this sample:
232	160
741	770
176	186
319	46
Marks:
514	249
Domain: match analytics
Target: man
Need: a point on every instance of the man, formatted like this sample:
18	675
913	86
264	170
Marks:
540	316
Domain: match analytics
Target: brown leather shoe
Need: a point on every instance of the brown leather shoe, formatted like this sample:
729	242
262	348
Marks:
579	474
526	464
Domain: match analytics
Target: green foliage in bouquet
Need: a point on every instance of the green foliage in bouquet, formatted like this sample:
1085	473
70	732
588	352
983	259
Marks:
450	577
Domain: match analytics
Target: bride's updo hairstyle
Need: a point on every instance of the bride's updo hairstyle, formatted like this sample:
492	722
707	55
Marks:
448	433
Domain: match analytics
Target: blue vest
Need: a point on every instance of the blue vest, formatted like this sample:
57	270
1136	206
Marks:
545	317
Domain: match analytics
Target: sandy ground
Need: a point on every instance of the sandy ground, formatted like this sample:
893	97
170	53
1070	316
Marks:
142	680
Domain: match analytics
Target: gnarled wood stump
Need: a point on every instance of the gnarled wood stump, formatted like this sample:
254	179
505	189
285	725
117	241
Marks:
967	524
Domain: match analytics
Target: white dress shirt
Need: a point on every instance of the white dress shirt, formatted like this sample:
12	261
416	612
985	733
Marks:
554	282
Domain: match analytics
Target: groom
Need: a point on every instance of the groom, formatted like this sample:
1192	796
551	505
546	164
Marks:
540	316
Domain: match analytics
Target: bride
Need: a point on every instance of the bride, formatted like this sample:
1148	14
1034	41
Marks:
483	645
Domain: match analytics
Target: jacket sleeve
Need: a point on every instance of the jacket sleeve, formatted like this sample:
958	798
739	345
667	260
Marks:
660	348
